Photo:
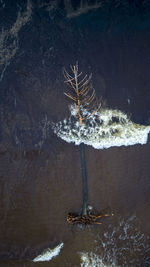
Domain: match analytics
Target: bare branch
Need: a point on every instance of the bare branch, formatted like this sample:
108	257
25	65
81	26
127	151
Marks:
70	96
83	91
67	74
89	98
85	94
87	81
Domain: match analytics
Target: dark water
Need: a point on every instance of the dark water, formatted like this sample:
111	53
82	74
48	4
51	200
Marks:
40	175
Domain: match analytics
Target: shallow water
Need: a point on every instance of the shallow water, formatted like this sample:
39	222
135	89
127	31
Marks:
40	174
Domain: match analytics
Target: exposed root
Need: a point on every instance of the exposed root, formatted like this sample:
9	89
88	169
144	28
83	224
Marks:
86	220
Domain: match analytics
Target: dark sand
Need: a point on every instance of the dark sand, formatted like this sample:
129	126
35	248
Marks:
36	198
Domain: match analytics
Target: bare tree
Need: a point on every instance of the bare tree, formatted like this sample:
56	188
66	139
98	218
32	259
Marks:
83	95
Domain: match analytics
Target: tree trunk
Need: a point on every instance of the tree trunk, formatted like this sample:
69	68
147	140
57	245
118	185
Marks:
84	180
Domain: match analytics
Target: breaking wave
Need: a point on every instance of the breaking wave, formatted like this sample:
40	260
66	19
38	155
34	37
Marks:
48	254
104	129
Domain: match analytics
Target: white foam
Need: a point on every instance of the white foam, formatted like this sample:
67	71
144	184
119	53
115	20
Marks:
104	129
122	244
48	254
93	260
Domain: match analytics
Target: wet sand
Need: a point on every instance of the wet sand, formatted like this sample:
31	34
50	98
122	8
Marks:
36	198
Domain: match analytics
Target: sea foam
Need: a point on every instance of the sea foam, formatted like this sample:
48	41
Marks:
122	244
93	260
48	254
104	129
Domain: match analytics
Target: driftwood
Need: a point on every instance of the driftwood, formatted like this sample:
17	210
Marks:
85	219
83	95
